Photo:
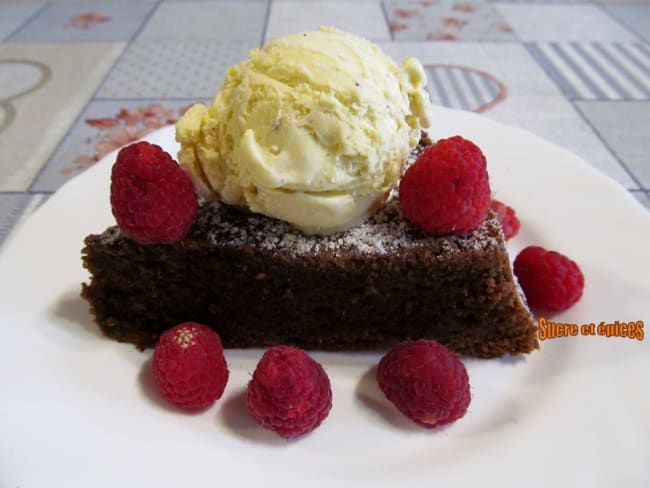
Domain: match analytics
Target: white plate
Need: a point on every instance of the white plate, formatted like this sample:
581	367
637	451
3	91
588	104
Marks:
79	410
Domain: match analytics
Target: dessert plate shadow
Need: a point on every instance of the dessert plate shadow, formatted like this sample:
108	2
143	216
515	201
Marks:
80	410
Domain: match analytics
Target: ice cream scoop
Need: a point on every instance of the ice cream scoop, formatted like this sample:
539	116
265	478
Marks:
313	129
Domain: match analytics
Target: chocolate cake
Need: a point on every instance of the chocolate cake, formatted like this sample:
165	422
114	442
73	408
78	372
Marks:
259	282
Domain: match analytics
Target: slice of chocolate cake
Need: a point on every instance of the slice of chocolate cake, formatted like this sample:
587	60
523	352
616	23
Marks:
259	282
281	141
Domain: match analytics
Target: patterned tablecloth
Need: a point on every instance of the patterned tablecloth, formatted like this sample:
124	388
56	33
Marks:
80	78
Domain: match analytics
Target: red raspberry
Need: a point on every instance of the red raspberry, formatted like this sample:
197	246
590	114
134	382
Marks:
289	393
189	366
507	217
446	191
425	381
152	198
551	281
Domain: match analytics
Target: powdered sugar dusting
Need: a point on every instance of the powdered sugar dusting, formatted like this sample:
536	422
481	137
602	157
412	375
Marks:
111	235
385	232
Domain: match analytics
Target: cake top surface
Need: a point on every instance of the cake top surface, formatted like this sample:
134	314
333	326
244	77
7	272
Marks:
385	232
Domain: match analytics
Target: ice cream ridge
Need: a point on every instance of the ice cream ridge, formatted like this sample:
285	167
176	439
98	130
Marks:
313	129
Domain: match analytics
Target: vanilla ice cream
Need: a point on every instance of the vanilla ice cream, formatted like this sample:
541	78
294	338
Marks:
313	129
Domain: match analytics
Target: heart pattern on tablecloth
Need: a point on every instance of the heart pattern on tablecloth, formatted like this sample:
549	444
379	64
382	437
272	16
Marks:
18	77
463	87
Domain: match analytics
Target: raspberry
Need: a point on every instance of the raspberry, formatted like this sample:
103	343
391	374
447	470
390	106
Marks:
507	217
152	198
425	381
189	366
446	191
289	393
551	281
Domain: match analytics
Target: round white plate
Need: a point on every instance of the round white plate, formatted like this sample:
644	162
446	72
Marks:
79	410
